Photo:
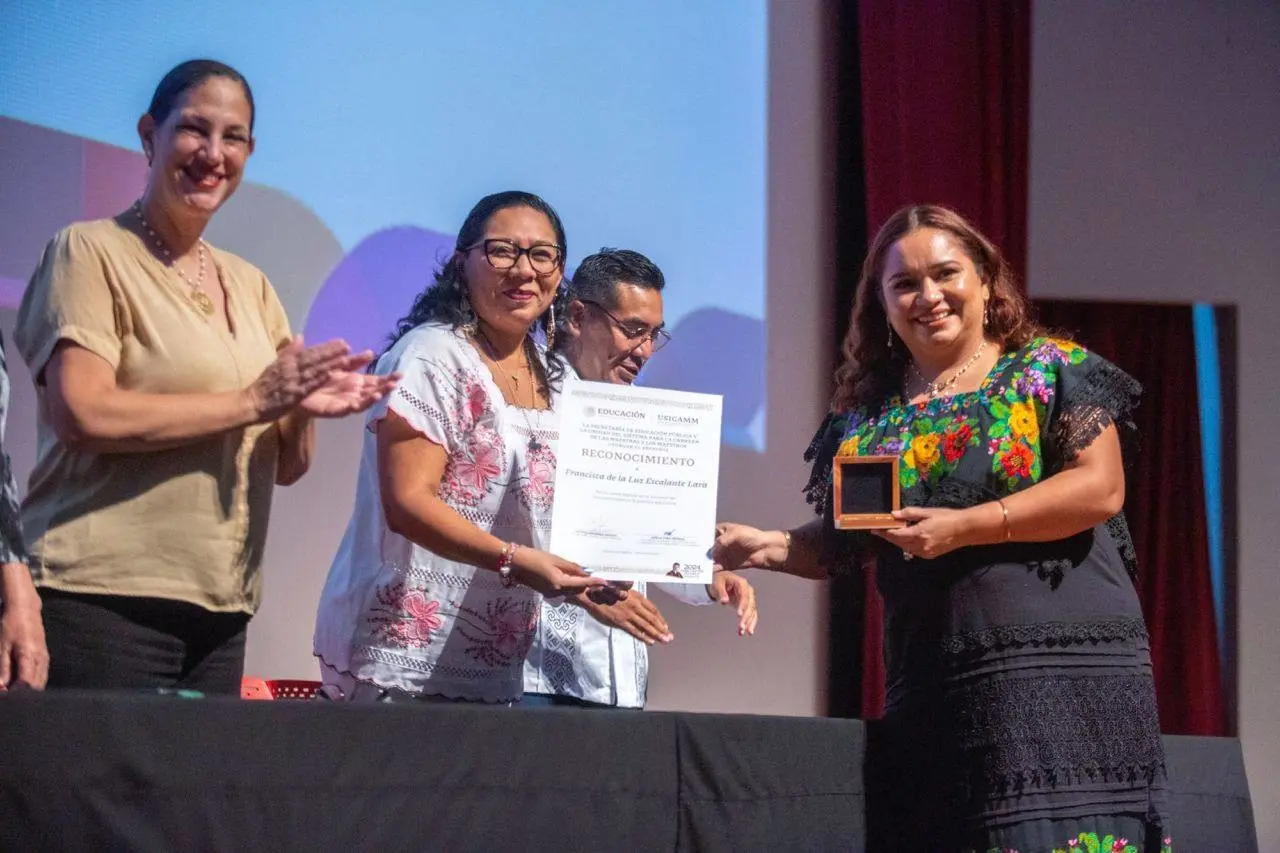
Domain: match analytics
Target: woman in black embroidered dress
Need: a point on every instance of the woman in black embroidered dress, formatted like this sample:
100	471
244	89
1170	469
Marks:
1020	710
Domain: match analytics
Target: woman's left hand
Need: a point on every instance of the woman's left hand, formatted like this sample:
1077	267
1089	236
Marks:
930	531
349	390
728	588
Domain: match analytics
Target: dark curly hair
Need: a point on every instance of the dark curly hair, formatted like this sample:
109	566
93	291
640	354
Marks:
445	299
872	369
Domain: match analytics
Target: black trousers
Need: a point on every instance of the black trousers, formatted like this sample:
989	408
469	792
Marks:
112	642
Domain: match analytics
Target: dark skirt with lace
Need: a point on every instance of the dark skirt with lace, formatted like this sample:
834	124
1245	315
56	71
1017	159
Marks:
1020	707
1003	718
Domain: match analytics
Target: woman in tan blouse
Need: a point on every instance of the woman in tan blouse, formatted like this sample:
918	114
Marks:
173	398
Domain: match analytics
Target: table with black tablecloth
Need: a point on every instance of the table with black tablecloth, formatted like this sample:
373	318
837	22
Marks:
125	772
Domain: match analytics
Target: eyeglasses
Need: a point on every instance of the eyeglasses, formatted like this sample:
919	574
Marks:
505	254
636	335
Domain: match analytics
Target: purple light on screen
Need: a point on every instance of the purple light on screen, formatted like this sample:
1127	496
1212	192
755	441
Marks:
375	285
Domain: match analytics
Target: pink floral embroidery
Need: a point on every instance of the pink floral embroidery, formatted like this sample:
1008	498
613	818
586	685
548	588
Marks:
479	461
405	617
480	464
471	405
510	631
469	474
540	485
501	634
422	618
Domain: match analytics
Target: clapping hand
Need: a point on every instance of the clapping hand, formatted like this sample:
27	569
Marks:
348	391
325	380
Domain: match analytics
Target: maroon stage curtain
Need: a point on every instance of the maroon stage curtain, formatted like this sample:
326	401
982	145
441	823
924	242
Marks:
1165	499
945	102
945	105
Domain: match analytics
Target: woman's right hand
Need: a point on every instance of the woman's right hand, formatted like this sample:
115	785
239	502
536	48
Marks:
550	575
298	372
24	655
635	614
739	546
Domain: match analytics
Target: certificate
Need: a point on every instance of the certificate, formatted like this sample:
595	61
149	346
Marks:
636	477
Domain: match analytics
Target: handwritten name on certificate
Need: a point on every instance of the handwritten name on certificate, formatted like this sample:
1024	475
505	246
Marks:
636	476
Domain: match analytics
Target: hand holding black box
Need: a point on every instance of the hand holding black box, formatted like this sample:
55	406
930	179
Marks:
866	492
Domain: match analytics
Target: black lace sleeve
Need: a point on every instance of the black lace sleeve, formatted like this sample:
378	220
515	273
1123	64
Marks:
1092	395
842	550
820	453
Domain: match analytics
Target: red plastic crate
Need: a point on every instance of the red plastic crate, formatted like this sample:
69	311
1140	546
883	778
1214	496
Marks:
285	688
277	688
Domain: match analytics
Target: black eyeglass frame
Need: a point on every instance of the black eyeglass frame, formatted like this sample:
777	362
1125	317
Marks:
519	250
659	336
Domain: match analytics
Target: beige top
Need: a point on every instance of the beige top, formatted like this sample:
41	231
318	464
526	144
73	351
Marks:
188	523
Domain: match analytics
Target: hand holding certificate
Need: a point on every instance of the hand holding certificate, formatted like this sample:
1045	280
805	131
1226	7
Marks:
636	479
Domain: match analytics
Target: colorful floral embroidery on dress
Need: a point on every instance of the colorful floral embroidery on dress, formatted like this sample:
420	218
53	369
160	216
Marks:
1022	407
404	617
1014	438
1055	351
857	430
1090	842
932	437
934	446
930	444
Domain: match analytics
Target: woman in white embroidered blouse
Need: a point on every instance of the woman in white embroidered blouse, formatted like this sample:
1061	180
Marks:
435	588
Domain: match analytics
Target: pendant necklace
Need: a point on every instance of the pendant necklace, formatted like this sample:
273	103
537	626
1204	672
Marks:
198	297
935	389
490	353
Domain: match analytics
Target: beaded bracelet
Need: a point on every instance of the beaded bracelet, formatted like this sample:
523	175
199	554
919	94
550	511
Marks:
504	564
